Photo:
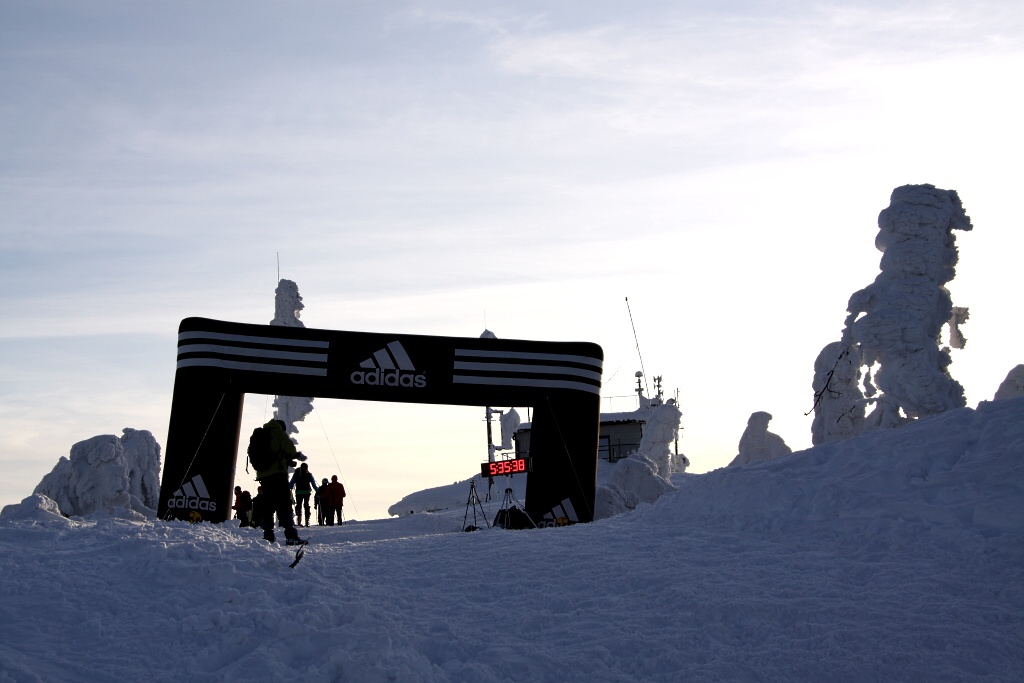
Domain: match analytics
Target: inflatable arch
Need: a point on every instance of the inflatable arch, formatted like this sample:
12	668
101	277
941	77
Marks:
219	362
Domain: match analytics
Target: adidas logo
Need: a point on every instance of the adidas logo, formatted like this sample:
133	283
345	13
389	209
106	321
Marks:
561	515
193	496
389	367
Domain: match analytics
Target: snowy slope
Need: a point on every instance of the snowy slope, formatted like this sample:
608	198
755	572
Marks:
896	556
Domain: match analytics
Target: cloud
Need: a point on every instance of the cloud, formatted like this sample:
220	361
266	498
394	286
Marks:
419	167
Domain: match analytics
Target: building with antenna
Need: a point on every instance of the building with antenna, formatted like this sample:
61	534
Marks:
622	433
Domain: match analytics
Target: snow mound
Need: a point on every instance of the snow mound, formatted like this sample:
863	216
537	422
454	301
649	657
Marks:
35	508
632	481
893	556
962	469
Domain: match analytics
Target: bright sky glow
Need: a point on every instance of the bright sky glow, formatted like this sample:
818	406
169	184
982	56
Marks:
441	168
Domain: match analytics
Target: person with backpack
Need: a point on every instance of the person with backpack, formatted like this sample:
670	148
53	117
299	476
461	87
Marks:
334	499
271	453
304	484
242	506
318	503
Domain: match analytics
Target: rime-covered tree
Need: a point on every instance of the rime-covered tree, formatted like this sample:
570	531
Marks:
758	444
895	322
287	309
1012	386
839	401
105	473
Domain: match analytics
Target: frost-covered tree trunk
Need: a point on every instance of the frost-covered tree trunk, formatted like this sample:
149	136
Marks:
896	321
287	309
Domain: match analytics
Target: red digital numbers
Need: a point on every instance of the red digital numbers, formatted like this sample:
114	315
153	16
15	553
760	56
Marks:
502	467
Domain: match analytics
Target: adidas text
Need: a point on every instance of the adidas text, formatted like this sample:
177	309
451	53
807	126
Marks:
192	504
395	378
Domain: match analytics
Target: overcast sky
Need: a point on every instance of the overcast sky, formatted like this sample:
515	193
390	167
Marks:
442	167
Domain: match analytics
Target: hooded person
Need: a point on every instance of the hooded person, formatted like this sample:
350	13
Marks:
242	506
334	499
274	480
304	484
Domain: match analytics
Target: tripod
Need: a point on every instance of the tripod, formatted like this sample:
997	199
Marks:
508	502
473	502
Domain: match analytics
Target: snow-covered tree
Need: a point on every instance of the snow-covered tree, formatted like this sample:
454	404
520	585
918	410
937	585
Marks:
106	473
839	401
142	453
634	480
896	321
757	444
644	475
287	309
287	305
661	424
1012	386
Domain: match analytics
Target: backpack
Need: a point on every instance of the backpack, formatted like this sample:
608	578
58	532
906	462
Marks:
513	518
304	482
245	501
261	455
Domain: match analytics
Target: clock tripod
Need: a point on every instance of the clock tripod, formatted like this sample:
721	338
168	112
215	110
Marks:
505	517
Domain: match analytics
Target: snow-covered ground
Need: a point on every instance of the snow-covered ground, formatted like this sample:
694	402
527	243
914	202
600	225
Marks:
894	556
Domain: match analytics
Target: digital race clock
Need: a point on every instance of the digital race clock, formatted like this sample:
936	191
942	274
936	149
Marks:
500	467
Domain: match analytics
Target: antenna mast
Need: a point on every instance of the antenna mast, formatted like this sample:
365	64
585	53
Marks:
637	345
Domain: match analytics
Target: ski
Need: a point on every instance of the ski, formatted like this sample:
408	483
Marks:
299	554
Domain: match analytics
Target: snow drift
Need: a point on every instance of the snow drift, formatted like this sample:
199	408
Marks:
894	556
